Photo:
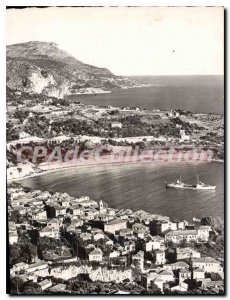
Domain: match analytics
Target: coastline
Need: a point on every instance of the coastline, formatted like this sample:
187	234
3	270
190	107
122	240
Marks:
82	166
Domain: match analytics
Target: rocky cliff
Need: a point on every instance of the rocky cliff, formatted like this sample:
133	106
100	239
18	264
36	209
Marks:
43	68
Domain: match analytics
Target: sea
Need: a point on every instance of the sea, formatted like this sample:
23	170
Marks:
200	94
142	186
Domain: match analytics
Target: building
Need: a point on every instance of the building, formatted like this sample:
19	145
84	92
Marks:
140	230
160	257
138	260
162	227
177	266
54	211
184	274
184	253
116	125
153	243
75	210
198	274
45	284
102	207
203	233
178	236
20	267
183	136
181	287
115	225
49	232
95	255
207	264
13	237
53	223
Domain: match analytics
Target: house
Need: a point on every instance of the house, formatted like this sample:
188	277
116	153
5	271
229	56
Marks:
176	266
114	254
184	253
49	232
95	255
203	233
75	210
54	211
126	232
166	275
36	267
64	203
98	236
58	288
45	284
160	257
53	223
181	287
39	215
138	259
85	236
116	125
198	274
13	237
178	236
157	277
115	225
184	274
128	246
20	267
140	230
183	136
153	243
163	226
77	222
207	264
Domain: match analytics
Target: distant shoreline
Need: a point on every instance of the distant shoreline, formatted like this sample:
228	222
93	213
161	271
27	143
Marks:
56	169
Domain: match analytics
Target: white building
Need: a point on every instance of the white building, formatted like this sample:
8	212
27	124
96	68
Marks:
178	236
95	255
181	287
160	257
115	225
207	264
13	238
183	253
49	232
116	125
203	233
198	274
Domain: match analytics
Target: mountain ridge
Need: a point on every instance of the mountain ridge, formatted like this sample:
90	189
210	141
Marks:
42	68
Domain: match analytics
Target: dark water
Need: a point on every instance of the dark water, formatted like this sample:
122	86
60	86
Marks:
201	94
142	187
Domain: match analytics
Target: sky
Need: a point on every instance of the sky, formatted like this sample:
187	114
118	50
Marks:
129	41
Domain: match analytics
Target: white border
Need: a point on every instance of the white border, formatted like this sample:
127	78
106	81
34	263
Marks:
224	3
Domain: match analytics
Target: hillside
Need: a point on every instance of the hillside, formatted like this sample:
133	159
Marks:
42	68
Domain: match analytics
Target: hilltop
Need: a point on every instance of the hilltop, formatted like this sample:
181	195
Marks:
42	68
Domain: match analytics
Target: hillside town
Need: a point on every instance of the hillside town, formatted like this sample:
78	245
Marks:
57	241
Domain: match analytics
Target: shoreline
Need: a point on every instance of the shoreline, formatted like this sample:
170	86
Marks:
66	167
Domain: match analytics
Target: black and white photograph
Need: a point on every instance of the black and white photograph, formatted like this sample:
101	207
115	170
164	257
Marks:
115	150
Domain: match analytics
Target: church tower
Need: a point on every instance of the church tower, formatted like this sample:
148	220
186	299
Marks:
102	207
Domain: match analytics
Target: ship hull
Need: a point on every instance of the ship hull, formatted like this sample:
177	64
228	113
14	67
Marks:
190	187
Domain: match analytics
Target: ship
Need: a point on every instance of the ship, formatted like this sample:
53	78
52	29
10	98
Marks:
198	186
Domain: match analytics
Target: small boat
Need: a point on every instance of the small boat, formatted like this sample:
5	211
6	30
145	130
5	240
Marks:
198	186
